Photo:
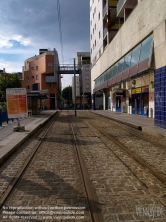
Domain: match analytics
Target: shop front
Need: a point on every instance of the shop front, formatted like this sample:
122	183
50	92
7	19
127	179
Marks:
140	100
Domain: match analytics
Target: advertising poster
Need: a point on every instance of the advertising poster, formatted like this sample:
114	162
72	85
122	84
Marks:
16	102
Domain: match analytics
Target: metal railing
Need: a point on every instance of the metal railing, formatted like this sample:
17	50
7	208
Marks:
105	10
119	5
105	32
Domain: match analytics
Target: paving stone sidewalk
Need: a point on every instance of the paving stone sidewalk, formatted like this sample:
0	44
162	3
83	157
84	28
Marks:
7	129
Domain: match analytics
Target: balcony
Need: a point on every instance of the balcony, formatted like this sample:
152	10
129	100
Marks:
50	79
105	10
105	32
125	4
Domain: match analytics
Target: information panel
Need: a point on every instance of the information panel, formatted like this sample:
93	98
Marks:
16	102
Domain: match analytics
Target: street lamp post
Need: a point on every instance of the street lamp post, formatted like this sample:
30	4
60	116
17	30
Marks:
74	87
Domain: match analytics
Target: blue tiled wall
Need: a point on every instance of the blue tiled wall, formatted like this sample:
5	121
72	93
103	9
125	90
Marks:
160	97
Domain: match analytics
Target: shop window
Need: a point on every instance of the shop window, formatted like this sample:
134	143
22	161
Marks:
146	48
135	55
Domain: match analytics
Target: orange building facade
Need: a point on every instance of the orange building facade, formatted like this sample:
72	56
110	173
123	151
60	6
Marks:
41	73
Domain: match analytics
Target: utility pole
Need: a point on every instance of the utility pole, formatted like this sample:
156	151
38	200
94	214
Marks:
74	87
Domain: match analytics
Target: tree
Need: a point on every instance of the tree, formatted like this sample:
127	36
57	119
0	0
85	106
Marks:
67	93
8	81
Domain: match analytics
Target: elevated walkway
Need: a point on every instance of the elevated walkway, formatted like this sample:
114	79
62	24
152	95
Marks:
67	69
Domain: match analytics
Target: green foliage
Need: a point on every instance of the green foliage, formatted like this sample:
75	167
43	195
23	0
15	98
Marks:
8	81
3	106
67	93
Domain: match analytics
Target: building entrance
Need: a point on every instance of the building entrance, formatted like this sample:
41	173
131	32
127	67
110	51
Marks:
140	100
118	103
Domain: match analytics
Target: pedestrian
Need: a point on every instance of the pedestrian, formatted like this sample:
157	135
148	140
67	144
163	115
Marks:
147	112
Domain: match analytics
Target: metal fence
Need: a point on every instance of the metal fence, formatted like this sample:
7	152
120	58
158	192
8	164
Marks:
4	117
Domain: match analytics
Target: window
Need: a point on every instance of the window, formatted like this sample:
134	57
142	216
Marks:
32	68
95	26
135	55
99	34
36	67
27	78
100	52
37	77
99	16
146	48
32	77
87	85
51	85
87	77
91	36
27	87
93	31
87	68
120	65
50	64
127	60
95	42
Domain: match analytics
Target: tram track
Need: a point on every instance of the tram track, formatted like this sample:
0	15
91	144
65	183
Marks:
21	172
80	156
135	133
90	194
92	199
134	155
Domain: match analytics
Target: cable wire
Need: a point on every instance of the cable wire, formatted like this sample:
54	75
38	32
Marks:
60	28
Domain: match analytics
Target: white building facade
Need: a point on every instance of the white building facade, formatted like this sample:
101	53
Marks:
131	72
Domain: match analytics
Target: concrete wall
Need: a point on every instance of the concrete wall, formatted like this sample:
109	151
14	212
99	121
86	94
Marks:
148	16
85	75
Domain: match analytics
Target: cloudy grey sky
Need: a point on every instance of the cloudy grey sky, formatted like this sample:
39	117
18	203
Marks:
28	25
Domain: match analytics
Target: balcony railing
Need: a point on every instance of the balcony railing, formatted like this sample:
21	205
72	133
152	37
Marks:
119	5
105	10
129	4
50	79
105	32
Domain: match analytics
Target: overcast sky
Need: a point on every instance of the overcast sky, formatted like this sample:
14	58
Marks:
28	25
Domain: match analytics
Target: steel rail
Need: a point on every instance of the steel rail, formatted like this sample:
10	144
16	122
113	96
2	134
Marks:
135	157
20	173
134	133
91	196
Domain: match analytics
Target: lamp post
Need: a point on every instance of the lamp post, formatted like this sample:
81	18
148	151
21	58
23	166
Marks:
74	88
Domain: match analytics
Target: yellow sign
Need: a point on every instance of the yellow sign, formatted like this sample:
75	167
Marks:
136	91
